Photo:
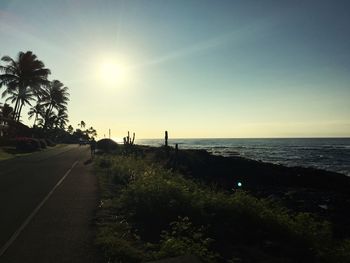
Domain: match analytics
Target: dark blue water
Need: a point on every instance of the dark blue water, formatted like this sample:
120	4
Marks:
331	154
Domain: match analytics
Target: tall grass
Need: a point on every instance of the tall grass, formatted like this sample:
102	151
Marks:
149	212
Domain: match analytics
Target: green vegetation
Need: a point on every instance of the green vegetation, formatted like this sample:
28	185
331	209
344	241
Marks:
4	155
148	212
9	152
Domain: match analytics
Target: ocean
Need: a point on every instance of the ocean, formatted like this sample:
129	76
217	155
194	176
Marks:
332	154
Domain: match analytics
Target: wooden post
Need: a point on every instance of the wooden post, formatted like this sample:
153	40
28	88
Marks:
166	138
176	155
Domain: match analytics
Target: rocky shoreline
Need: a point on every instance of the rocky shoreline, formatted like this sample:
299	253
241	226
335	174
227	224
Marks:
322	193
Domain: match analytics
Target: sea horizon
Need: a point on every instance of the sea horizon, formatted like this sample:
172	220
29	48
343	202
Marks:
191	138
331	153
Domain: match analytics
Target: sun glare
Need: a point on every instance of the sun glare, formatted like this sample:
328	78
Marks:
112	73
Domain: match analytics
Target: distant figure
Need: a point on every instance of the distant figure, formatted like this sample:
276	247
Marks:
93	147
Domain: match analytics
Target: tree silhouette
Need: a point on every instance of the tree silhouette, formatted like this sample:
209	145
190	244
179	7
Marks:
23	96
36	110
91	132
6	111
62	118
55	97
70	129
82	124
24	78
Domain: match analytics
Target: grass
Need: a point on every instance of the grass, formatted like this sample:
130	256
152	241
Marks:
4	155
9	152
148	212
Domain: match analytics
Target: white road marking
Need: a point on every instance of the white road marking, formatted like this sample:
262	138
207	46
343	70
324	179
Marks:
35	211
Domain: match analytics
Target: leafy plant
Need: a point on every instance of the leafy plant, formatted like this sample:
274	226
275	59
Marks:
118	243
184	238
27	144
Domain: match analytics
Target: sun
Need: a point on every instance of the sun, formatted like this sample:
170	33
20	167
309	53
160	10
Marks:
112	73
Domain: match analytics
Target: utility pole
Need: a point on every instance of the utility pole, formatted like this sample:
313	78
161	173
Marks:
109	133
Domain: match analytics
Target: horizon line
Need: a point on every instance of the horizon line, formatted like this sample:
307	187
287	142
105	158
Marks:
179	138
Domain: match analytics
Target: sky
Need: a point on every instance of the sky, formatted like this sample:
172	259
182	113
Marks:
198	69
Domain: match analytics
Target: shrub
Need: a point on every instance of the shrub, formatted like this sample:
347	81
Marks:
103	163
243	227
7	141
152	203
341	253
107	145
185	239
27	144
118	243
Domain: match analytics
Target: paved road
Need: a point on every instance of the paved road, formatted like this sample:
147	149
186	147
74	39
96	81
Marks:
47	202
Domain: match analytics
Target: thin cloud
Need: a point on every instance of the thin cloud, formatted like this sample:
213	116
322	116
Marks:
230	38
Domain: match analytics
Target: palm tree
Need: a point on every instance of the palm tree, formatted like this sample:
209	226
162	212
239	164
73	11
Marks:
82	124
62	118
36	110
48	120
70	129
26	72
91	132
6	111
21	96
55	97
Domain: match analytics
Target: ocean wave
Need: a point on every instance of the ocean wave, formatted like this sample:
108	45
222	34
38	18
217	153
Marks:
330	154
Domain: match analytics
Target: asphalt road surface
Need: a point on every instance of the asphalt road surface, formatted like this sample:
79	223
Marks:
47	205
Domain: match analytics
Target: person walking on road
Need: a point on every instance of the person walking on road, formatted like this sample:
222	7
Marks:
93	147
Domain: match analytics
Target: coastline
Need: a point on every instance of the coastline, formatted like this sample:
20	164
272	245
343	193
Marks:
245	205
331	154
320	192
